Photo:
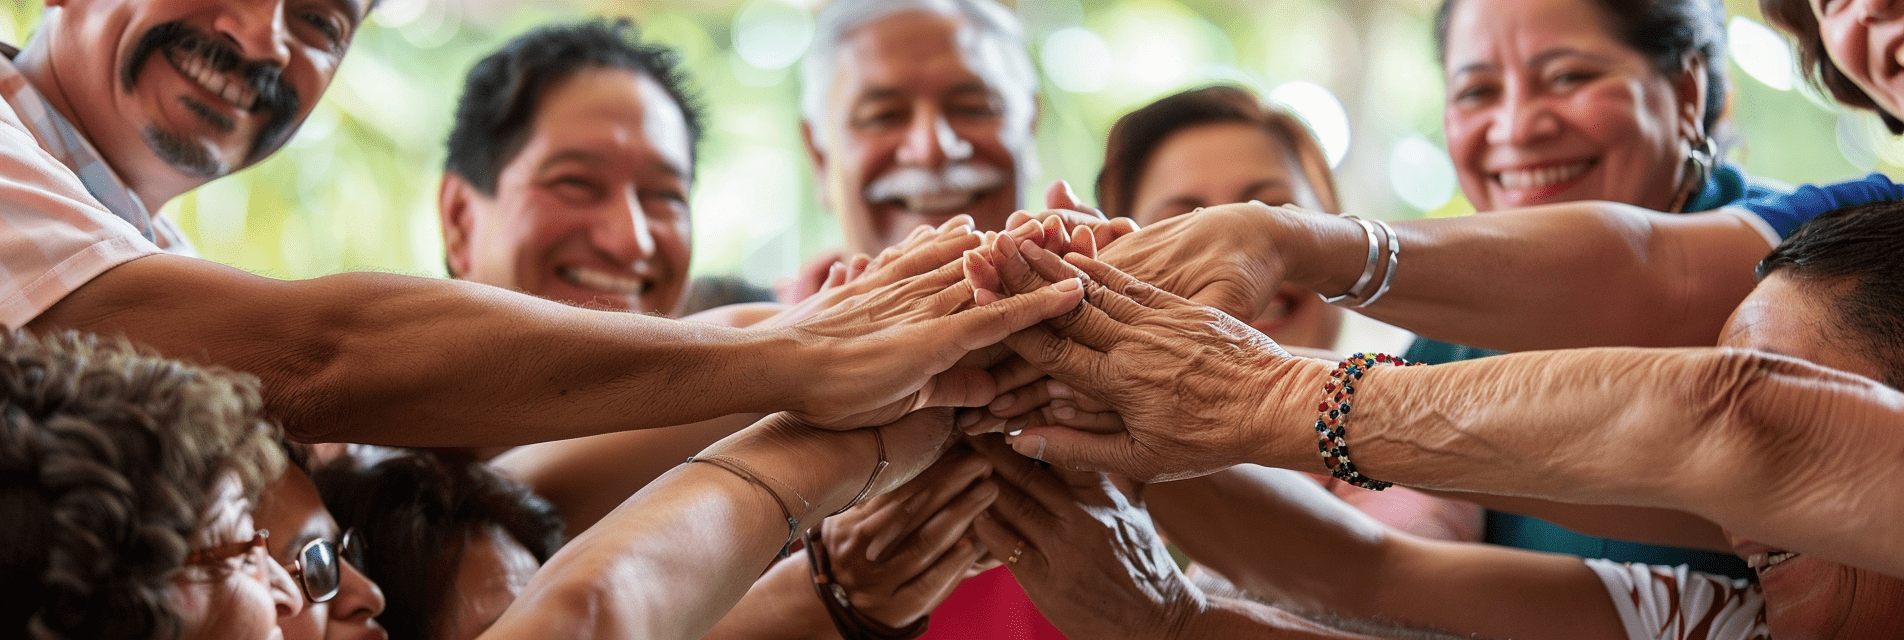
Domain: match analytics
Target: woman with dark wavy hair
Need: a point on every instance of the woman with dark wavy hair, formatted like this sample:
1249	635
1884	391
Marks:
126	493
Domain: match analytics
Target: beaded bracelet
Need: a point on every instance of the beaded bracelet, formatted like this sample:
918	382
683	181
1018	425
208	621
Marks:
1332	419
851	624
735	466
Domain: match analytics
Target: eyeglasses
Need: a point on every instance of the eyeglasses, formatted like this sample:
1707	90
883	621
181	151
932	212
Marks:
318	565
227	551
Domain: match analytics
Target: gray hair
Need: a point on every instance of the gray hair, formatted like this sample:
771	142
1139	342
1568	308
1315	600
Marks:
1000	45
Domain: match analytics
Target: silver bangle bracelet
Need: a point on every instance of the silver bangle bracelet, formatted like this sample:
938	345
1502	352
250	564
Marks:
1394	261
1368	270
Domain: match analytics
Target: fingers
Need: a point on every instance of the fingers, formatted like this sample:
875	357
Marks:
930	587
1074	449
983	326
942	531
1121	282
1064	414
1013	372
1039	482
986	287
896	515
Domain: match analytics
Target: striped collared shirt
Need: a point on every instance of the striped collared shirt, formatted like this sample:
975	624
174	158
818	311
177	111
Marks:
65	217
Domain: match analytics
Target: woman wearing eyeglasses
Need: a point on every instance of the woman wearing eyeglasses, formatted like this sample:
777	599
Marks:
340	603
125	486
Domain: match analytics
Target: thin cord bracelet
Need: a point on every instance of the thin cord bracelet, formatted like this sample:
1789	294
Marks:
851	623
1332	419
1368	270
735	466
879	441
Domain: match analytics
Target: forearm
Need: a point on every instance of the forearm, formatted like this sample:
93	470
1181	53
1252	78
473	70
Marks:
781	605
1274	533
674	558
589	477
1636	524
389	359
1571	275
1762	445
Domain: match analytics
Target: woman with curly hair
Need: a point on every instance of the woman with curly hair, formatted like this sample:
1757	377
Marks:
126	481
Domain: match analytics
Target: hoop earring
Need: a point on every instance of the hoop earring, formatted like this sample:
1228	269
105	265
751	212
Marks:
1699	163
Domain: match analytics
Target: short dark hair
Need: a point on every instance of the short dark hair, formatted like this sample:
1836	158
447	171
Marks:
1795	17
108	459
1662	31
503	90
1856	246
416	512
1138	134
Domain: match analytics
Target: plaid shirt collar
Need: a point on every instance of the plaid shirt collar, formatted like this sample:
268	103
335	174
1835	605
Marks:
59	138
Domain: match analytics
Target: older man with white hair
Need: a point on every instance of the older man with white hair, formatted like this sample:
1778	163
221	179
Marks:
916	111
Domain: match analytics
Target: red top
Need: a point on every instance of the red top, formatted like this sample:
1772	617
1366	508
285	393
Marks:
989	606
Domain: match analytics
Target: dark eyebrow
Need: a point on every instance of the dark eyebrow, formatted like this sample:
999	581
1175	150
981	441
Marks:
1561	52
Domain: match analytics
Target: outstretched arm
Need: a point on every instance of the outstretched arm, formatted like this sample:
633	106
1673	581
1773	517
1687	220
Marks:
676	556
1569	275
1763	445
1279	536
390	359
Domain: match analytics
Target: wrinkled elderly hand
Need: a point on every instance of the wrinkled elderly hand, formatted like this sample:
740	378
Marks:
900	554
1224	257
1189	384
1089	559
888	352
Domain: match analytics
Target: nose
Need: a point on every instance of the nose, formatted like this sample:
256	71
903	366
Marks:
623	232
258	29
1876	11
1521	119
931	141
358	600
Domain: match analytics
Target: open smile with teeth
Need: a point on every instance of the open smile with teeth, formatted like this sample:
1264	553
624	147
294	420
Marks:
226	86
1542	177
603	281
1763	561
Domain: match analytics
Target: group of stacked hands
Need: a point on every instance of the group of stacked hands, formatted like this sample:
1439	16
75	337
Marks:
1026	395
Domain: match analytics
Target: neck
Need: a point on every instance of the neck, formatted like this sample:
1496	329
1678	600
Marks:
38	64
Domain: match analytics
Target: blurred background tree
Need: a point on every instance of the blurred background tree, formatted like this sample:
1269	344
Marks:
356	188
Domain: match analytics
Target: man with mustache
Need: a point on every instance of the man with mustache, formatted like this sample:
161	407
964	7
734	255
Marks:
915	111
117	106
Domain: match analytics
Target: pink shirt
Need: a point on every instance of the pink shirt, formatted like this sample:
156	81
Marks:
65	217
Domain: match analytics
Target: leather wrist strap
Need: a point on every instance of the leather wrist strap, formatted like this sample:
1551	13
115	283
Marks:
852	624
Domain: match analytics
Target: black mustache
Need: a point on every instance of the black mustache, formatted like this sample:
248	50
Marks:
266	79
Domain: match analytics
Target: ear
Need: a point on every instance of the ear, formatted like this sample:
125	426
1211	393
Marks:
818	157
455	210
1690	89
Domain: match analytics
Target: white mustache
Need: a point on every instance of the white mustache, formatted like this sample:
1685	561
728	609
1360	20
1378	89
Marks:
915	186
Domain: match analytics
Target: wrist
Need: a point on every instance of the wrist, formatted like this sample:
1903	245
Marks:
1282	426
826	468
1324	253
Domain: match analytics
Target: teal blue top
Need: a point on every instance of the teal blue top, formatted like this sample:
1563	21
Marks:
1726	186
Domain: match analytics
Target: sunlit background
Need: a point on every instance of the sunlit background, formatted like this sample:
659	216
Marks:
356	188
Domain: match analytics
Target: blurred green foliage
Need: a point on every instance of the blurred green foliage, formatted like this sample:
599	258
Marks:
356	189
